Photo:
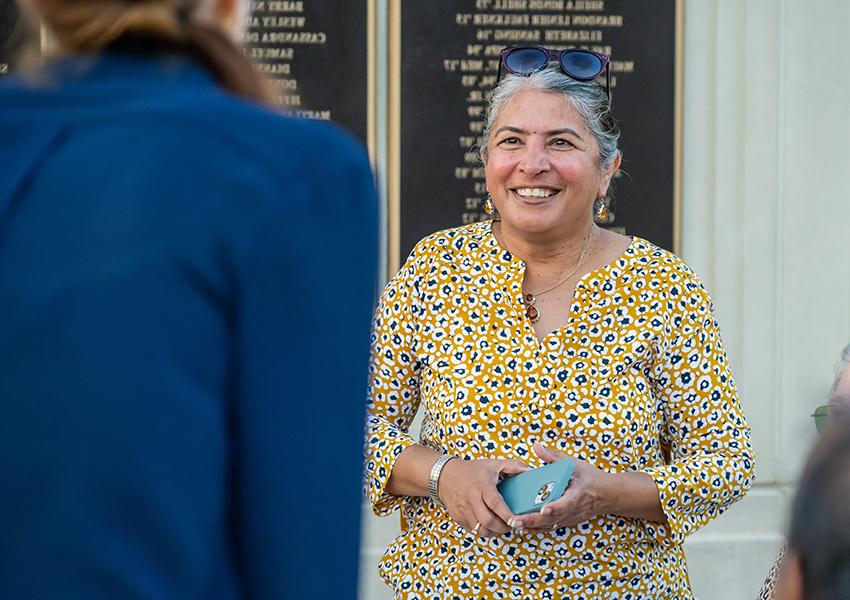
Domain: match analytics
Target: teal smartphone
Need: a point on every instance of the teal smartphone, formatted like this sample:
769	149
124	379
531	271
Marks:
530	491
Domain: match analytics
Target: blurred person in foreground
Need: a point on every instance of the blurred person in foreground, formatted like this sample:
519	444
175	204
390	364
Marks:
826	417
177	262
816	565
538	336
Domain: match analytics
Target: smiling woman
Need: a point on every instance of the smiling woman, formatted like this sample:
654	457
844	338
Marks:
535	337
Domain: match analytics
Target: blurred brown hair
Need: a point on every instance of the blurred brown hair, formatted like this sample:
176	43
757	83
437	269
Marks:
90	26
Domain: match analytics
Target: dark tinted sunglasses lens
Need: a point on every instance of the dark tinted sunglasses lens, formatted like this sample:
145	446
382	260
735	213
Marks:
821	416
524	61
579	64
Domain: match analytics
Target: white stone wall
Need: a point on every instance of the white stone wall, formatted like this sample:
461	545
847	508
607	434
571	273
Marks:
766	222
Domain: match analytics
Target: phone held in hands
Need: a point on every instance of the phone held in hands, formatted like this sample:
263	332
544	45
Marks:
530	491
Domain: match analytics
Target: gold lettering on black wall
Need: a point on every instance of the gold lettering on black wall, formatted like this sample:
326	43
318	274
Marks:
277	32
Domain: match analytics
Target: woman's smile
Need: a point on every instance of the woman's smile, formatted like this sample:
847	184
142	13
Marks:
535	195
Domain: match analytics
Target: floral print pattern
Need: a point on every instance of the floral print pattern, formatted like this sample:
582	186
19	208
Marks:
636	380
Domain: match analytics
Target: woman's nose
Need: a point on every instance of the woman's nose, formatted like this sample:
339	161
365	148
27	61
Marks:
535	159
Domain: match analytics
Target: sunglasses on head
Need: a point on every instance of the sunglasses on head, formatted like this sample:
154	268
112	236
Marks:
579	64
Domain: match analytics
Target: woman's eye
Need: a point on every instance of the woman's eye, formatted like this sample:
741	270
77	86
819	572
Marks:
561	142
510	141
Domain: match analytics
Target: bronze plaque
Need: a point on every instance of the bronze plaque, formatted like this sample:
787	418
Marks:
317	54
447	62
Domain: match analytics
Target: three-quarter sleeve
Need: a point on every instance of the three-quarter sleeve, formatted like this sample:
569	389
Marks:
711	459
393	386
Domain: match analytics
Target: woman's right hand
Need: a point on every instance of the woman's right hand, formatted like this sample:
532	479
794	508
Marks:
467	488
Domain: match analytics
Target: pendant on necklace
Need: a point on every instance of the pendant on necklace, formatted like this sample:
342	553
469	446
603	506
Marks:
530	310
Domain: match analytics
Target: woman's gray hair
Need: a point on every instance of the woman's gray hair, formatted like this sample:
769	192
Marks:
587	97
839	368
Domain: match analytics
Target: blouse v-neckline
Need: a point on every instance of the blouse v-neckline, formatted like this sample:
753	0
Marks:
517	268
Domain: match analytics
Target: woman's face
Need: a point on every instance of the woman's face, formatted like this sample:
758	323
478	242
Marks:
542	166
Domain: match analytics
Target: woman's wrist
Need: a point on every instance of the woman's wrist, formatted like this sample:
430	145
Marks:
434	477
607	492
630	494
409	476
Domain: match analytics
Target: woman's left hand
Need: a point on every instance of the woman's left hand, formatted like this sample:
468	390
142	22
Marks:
583	499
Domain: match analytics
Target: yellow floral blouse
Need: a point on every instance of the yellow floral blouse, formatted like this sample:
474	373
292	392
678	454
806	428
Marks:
637	380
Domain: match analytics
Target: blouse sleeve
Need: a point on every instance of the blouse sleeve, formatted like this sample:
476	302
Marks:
393	386
711	458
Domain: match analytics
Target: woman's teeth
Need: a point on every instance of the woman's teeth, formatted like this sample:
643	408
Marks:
536	192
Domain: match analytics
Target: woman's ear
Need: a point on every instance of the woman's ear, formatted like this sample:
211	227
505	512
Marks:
609	173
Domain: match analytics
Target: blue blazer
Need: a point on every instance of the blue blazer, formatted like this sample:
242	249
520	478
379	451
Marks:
186	282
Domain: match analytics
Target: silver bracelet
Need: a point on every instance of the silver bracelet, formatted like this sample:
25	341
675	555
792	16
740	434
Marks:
434	477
